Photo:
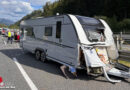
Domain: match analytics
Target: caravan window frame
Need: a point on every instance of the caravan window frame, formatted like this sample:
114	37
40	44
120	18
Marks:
58	29
46	33
92	27
32	32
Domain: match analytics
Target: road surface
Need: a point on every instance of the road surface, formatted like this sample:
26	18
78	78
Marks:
27	73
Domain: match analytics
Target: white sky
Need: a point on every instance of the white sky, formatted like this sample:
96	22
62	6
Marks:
16	9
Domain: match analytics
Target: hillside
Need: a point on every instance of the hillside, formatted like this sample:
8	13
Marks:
6	21
34	14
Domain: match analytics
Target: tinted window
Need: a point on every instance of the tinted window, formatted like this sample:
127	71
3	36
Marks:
89	21
58	29
48	31
93	28
30	31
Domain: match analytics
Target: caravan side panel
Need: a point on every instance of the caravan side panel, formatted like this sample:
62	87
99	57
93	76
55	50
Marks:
63	49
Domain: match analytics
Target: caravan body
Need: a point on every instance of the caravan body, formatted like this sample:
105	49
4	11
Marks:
72	40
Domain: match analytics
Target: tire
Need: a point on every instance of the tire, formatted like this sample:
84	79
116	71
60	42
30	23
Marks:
38	55
43	56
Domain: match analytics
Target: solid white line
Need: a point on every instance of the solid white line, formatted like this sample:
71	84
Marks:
4	42
26	77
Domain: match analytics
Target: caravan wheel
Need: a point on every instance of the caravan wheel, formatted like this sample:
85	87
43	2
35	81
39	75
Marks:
43	56
37	55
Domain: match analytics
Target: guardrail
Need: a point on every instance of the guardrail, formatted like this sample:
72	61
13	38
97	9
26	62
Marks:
125	55
121	39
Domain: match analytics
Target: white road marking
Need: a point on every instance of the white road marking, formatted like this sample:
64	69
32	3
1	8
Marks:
26	77
5	42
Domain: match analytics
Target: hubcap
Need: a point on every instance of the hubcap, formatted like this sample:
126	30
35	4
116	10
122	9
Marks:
43	56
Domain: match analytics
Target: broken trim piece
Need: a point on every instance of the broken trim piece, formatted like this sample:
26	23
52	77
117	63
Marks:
95	62
107	77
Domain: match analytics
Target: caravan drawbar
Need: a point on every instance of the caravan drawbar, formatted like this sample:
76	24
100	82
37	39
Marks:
74	41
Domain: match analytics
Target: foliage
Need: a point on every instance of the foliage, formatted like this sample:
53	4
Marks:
117	26
34	14
115	12
13	26
3	25
125	25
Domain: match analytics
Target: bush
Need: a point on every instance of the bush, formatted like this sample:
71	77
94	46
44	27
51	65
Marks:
117	26
124	25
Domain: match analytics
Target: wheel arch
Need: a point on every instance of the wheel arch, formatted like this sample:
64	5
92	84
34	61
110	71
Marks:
40	49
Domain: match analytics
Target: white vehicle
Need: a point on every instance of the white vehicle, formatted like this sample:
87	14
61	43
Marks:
75	41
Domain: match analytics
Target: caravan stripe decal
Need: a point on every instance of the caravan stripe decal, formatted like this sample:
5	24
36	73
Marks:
58	44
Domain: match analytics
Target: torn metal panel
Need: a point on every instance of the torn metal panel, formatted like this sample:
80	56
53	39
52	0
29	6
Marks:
119	73
92	60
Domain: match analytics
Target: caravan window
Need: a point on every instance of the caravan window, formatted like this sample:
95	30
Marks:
48	31
30	31
58	29
93	28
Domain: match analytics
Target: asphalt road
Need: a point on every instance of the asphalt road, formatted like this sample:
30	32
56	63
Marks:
47	76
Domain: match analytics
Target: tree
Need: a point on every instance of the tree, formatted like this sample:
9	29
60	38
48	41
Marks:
114	10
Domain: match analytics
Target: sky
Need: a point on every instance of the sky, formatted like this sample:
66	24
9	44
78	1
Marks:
15	9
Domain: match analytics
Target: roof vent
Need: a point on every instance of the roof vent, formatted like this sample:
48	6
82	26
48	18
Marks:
57	14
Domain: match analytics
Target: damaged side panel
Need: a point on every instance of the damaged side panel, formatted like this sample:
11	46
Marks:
92	60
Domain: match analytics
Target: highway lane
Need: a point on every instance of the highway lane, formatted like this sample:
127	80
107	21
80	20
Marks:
47	76
9	72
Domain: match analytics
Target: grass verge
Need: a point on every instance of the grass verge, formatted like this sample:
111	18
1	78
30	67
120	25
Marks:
126	63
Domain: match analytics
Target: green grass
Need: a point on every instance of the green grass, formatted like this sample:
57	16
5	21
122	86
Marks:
126	63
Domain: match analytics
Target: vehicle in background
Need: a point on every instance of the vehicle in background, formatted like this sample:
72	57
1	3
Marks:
4	31
0	30
74	41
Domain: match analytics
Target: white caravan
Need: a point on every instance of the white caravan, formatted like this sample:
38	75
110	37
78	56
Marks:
74	41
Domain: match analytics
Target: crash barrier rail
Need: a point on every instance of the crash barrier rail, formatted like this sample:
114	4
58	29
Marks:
122	67
124	56
122	42
121	39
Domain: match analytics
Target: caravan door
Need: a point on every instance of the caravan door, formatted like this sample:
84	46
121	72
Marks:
66	43
30	39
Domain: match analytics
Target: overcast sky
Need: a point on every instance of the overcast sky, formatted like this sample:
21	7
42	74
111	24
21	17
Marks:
16	9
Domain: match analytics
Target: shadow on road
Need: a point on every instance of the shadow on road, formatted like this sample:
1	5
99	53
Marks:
28	59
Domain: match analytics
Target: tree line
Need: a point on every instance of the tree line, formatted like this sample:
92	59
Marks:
3	25
115	12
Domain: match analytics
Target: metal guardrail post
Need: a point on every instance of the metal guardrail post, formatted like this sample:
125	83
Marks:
117	42
121	40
